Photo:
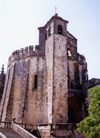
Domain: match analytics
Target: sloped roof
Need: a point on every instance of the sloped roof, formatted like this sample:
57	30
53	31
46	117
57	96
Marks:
54	17
70	36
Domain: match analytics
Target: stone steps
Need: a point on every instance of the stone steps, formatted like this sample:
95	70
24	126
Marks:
9	133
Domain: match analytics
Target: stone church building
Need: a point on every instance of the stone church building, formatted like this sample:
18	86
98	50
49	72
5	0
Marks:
47	84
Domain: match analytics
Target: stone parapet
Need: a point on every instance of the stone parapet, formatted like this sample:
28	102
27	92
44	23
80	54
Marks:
21	131
25	52
91	83
65	130
2	135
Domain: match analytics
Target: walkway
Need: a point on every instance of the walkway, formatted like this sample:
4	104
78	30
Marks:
9	133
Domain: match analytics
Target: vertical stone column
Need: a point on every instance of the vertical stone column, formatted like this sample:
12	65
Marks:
4	94
49	65
25	74
60	80
7	91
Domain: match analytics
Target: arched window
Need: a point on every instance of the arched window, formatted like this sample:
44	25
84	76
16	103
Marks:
35	81
49	31
68	49
60	30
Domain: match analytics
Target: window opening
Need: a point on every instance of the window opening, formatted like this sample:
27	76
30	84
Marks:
68	49
60	31
69	83
35	82
49	31
77	77
46	35
68	52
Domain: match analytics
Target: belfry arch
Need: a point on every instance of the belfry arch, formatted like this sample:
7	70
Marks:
74	110
68	48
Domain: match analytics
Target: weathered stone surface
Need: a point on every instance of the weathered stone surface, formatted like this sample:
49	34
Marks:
8	91
91	83
47	85
9	133
24	85
2	81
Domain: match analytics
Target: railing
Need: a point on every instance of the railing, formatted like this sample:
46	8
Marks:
25	126
32	129
19	129
5	124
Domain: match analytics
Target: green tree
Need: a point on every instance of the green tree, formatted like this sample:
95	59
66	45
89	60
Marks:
90	126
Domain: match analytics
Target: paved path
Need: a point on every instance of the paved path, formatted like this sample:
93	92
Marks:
9	133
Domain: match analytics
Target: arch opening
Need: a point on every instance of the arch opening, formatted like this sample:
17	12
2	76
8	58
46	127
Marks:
60	30
70	114
68	49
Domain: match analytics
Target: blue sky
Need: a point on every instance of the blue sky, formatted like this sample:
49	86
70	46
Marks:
19	20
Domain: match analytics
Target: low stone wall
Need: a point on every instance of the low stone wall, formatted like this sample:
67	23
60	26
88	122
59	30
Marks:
2	136
45	131
25	52
59	130
21	131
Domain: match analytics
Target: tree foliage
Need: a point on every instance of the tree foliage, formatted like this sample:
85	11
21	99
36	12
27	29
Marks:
90	126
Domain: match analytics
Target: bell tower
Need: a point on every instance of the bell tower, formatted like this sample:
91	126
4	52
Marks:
55	35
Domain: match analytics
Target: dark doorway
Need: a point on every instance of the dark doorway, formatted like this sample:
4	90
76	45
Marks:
70	114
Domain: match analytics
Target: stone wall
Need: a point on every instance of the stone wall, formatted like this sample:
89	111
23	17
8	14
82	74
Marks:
60	86
7	92
2	81
36	99
29	103
21	100
49	64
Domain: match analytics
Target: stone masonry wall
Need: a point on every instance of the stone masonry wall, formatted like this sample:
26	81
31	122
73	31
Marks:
4	94
23	91
29	105
17	87
36	99
8	88
82	71
60	88
49	64
25	103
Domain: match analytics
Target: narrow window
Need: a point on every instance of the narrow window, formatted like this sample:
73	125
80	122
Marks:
68	52
46	35
35	82
68	49
69	83
60	31
49	31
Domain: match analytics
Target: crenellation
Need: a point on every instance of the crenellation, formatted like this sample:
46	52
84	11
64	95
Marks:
36	47
26	49
14	53
31	48
24	53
